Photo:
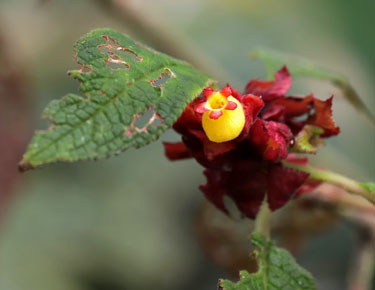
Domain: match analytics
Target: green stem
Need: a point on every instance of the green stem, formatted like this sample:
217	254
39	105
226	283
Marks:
346	183
262	221
361	277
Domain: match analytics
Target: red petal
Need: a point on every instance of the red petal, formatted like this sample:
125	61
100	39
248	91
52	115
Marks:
214	188
319	113
215	114
294	106
257	87
247	186
211	149
188	120
176	151
252	106
294	158
231	106
308	186
208	92
282	184
270	90
201	108
248	182
236	94
271	139
226	91
273	112
282	84
323	117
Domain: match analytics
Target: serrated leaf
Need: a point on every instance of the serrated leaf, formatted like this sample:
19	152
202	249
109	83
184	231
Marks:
307	140
277	271
298	67
133	94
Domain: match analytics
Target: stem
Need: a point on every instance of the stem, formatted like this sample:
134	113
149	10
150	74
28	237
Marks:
362	274
262	221
344	182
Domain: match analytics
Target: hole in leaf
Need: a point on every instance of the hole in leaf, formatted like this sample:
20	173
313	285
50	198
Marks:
115	62
127	53
142	122
157	122
117	65
117	55
163	78
103	49
159	82
144	119
85	69
118	52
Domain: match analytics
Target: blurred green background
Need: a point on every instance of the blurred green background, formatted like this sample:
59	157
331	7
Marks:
129	222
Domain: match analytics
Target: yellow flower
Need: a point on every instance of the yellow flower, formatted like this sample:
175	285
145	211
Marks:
223	115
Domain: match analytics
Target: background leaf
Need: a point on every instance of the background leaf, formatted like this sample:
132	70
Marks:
299	67
133	94
369	186
277	270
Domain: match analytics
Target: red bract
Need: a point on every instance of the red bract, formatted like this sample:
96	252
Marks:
271	139
247	183
248	167
315	111
270	90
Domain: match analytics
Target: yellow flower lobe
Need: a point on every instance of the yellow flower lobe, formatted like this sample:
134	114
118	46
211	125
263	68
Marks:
229	125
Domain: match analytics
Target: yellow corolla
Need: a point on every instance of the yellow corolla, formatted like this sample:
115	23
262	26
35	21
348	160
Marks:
223	115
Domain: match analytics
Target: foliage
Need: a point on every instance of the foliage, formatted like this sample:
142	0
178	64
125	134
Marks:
369	186
277	270
122	80
133	94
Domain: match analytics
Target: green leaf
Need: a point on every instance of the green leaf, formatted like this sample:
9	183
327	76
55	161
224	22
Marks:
277	270
298	67
307	140
369	186
133	94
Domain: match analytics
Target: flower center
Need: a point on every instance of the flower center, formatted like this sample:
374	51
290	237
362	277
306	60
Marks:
217	101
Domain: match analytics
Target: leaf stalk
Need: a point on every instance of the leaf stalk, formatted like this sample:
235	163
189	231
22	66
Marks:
263	220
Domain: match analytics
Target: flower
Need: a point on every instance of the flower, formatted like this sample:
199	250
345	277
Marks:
223	115
242	139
